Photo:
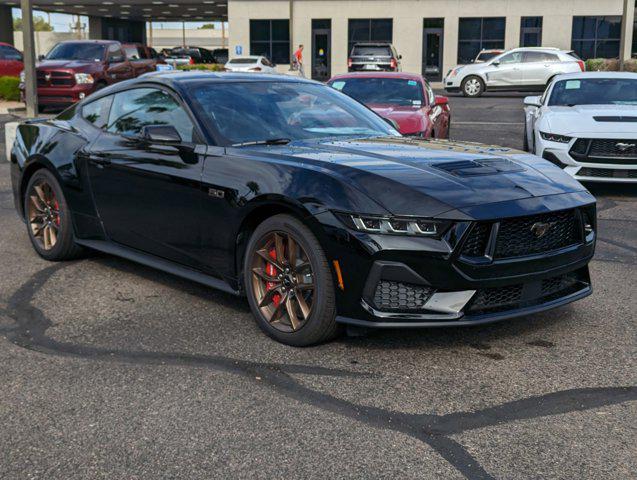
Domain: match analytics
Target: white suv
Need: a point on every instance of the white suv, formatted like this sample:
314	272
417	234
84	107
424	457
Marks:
519	69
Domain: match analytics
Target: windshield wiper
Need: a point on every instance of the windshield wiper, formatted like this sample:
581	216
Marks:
269	141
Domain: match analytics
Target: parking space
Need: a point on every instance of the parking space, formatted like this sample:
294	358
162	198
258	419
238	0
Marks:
113	370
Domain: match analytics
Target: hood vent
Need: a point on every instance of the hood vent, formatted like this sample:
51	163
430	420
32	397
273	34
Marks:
471	168
619	119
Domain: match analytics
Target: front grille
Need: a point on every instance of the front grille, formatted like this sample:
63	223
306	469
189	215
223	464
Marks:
55	79
399	296
607	173
520	236
489	298
601	150
512	297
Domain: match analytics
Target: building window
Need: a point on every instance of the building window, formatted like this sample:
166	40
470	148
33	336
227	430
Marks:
531	32
475	34
271	38
596	37
369	30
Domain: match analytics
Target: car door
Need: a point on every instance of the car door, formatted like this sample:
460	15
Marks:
504	71
118	67
135	59
148	193
536	68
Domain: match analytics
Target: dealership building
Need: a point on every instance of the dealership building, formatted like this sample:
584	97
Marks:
431	35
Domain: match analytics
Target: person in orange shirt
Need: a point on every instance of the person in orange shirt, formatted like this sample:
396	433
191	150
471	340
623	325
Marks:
298	59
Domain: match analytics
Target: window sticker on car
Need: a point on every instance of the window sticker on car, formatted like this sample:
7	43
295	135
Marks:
416	103
572	85
412	83
338	85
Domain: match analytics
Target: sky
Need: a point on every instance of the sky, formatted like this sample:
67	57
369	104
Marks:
61	21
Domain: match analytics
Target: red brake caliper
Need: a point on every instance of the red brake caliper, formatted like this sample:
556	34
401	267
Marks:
57	209
271	270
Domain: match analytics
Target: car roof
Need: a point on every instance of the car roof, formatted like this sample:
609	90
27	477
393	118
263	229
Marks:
539	49
583	75
398	75
247	57
103	42
372	44
7	45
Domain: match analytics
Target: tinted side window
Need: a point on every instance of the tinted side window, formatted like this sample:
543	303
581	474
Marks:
514	57
97	112
134	109
539	57
142	52
115	53
131	53
9	53
431	97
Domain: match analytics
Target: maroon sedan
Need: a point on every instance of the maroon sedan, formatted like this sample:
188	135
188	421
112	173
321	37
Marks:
405	98
10	61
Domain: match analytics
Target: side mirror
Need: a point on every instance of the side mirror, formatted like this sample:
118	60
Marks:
400	57
117	59
532	101
41	57
441	101
161	134
495	63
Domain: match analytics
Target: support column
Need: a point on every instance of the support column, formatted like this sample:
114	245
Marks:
30	80
626	44
6	24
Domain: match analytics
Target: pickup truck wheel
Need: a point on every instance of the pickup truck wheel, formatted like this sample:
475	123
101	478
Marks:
472	86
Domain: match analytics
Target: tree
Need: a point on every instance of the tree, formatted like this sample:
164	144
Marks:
207	26
39	24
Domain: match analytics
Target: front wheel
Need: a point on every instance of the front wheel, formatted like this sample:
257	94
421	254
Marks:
289	283
472	86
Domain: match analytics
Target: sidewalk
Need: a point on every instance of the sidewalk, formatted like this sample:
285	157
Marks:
5	106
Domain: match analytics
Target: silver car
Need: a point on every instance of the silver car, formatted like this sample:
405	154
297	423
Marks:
520	69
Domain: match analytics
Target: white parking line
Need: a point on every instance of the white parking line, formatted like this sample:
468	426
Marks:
487	123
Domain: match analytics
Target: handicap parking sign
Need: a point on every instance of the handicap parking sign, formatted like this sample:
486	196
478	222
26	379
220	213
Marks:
164	67
238	49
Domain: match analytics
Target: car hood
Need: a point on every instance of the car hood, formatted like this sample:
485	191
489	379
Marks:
592	120
409	119
75	65
430	177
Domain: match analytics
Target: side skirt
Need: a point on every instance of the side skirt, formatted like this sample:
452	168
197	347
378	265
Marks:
158	263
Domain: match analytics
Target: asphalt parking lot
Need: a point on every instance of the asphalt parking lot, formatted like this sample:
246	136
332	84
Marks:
112	370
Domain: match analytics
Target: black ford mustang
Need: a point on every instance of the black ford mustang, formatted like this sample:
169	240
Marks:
303	200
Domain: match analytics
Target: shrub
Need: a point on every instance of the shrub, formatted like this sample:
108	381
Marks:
609	65
9	88
212	67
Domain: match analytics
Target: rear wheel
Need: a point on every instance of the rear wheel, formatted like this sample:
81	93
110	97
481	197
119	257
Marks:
289	283
48	218
472	86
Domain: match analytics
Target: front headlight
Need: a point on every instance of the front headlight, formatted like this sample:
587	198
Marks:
552	137
83	78
423	227
22	76
454	72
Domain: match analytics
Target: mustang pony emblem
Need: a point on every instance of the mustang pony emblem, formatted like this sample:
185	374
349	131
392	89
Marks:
539	229
624	146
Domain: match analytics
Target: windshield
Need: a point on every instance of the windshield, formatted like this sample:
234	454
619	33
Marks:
594	91
388	91
77	51
257	111
484	56
243	61
371	51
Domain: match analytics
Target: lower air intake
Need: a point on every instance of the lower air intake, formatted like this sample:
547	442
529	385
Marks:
399	297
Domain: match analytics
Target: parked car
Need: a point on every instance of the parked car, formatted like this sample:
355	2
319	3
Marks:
586	123
10	61
404	98
143	58
520	69
250	64
190	56
305	201
487	54
374	57
220	55
73	70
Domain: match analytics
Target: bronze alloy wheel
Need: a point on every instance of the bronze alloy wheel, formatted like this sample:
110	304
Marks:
283	281
44	215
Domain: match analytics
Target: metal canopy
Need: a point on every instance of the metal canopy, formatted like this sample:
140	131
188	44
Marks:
148	10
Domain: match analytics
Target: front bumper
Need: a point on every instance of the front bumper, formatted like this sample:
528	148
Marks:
438	287
589	170
62	96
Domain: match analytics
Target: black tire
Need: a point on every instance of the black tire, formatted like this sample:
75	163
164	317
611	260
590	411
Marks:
472	86
64	247
320	325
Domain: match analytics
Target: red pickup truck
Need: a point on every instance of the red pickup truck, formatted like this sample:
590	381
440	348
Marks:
73	70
